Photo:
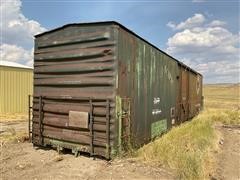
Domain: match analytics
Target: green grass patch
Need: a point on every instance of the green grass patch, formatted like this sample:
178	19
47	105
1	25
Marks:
183	148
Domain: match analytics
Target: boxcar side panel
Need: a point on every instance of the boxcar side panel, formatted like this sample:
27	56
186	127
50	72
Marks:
190	94
151	87
195	94
183	105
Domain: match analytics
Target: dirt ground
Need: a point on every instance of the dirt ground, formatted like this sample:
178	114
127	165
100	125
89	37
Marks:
228	159
18	126
22	161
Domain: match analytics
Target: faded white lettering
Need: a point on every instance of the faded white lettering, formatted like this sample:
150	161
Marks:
156	111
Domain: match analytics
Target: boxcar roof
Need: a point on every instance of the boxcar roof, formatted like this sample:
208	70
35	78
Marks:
123	27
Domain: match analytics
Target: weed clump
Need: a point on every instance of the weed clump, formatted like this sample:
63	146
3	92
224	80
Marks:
183	148
227	117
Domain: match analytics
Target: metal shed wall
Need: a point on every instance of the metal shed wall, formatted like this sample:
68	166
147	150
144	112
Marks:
15	84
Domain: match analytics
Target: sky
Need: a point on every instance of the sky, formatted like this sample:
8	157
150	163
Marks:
203	34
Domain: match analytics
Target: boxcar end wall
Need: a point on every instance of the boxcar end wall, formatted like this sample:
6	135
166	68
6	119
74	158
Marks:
99	87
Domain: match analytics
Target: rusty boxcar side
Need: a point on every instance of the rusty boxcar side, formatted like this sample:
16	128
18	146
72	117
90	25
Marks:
162	91
99	87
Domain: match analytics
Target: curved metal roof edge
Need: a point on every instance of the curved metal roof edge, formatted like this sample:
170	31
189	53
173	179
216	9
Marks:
14	65
123	27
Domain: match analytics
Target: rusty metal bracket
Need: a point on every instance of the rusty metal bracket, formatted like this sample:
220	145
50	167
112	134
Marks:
127	121
124	122
29	119
108	128
183	108
91	127
41	119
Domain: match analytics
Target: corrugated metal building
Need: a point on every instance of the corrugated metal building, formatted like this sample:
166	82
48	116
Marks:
99	87
16	83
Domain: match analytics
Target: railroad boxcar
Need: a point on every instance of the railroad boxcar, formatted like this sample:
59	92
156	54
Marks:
100	88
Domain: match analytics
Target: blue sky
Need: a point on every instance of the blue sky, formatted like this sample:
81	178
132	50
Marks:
146	19
203	34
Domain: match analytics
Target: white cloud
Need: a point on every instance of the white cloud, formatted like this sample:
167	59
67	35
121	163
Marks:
216	38
222	71
210	49
17	31
171	25
16	54
216	23
191	22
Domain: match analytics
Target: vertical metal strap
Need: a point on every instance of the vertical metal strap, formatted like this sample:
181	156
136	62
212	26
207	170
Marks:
188	95
29	118
40	120
129	121
180	97
108	128
91	127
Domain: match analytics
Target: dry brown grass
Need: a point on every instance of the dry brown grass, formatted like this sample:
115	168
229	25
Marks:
183	148
222	96
7	117
10	135
187	148
223	102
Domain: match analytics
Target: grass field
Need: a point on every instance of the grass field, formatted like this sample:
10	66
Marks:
222	96
222	101
186	148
